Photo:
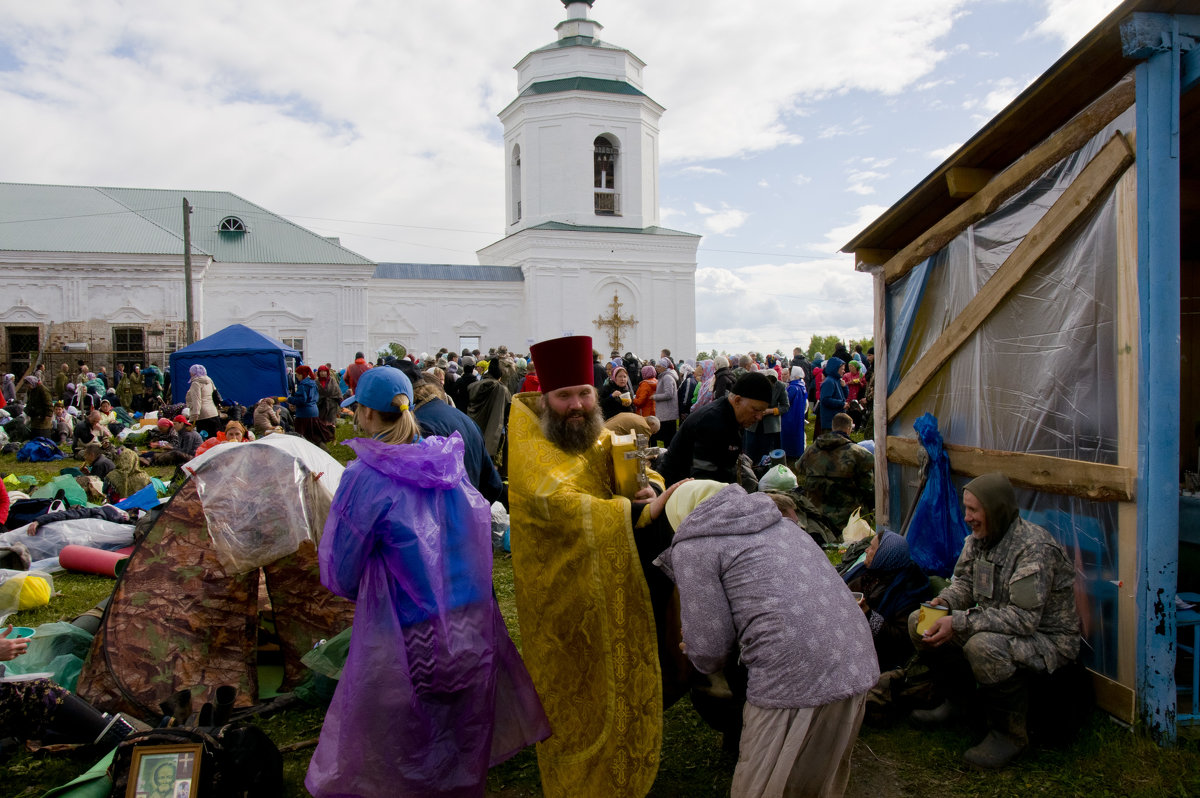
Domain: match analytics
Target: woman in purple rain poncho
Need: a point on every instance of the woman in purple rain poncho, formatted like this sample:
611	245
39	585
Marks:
433	692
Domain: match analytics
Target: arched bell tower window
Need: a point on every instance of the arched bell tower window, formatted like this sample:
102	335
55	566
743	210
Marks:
604	159
515	214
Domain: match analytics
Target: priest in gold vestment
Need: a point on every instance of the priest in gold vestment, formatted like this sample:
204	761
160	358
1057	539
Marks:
587	626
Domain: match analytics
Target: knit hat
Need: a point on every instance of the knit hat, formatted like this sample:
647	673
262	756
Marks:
753	385
563	362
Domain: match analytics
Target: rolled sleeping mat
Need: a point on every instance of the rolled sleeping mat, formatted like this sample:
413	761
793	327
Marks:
87	560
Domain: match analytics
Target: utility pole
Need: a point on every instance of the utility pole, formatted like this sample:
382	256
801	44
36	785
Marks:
188	337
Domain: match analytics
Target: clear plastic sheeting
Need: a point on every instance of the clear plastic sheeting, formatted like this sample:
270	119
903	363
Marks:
23	590
51	538
260	505
1038	376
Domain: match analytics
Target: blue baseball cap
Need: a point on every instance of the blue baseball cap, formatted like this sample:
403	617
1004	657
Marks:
376	388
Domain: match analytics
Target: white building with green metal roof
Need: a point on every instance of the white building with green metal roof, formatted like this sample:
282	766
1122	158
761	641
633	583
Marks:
86	269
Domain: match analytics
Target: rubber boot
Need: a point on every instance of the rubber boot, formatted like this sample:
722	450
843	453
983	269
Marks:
940	715
1007	705
226	695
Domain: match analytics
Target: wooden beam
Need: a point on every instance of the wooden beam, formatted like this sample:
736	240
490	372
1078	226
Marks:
1113	697
867	259
1084	192
1069	138
1128	368
1095	481
963	181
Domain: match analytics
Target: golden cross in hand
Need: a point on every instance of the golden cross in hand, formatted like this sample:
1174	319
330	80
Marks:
615	323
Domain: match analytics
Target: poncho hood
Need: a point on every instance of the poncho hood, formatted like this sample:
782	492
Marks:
433	462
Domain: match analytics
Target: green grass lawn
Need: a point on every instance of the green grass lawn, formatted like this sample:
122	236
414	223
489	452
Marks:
896	760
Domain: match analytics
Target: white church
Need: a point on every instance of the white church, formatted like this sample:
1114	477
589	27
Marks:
97	273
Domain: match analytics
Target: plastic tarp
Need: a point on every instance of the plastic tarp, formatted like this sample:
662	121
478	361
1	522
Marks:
57	648
251	526
1038	376
50	538
72	492
244	364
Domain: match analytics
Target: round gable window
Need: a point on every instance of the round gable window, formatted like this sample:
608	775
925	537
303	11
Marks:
231	224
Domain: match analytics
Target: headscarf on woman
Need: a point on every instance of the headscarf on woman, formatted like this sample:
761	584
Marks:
197	371
707	369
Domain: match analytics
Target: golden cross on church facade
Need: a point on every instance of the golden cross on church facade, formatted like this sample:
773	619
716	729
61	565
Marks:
615	323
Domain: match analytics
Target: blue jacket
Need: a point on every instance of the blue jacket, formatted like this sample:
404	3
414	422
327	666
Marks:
305	398
833	393
792	422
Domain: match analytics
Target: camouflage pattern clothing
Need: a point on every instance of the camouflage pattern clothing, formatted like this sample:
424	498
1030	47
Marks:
1012	604
838	476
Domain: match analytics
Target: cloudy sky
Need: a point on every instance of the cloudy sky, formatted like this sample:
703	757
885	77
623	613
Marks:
789	125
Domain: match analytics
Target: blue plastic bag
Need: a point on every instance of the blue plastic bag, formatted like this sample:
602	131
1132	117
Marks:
937	528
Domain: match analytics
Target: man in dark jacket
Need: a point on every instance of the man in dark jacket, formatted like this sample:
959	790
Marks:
435	417
462	385
708	443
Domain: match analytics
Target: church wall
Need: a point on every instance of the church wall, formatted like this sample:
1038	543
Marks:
57	300
324	305
425	315
571	278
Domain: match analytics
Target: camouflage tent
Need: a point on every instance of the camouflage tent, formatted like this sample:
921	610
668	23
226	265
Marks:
238	537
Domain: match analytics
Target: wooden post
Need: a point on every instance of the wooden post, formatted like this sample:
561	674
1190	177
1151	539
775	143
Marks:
1158	82
879	373
188	333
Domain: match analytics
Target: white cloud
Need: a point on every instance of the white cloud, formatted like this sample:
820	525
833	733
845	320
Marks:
701	170
837	237
801	180
942	153
1069	20
762	183
721	221
665	213
779	306
861	180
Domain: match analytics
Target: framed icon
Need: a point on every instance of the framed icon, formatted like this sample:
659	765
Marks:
165	771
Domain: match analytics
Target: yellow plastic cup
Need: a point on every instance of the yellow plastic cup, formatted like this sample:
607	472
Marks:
929	616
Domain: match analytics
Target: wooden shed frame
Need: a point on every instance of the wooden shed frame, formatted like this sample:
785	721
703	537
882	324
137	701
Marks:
1142	56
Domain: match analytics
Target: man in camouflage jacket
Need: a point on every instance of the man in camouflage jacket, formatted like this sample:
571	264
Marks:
1012	613
837	474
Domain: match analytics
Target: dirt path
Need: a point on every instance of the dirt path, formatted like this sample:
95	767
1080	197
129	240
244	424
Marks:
872	775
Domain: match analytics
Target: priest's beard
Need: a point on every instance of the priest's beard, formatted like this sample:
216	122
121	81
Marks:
575	432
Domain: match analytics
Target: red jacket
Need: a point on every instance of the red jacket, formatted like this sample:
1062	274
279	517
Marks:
355	370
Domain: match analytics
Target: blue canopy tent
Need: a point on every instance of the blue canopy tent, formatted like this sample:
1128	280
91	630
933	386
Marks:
245	365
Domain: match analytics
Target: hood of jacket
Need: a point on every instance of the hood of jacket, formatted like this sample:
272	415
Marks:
828	441
732	511
432	462
832	365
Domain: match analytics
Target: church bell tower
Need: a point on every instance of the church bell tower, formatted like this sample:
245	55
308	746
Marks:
581	199
581	138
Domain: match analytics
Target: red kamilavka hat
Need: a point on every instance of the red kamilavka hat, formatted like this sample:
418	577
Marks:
563	362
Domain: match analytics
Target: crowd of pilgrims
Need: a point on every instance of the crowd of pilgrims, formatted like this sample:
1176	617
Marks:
93	412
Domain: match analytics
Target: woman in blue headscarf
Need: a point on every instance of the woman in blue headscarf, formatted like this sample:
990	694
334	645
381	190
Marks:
892	586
